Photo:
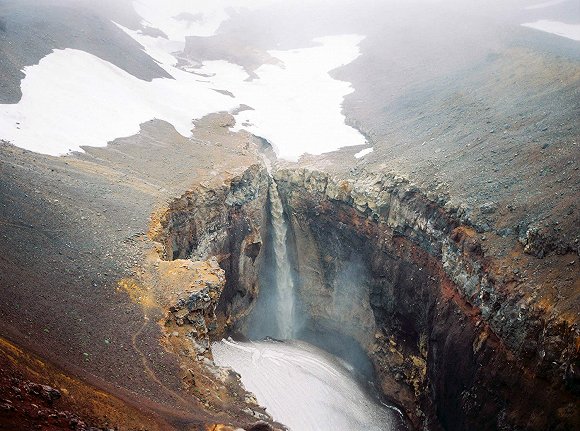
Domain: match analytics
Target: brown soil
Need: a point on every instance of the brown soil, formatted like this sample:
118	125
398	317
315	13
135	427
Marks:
26	404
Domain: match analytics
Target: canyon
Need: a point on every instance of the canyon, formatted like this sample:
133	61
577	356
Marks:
455	330
452	332
398	209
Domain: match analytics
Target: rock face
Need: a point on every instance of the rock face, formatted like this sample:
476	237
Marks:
456	332
192	313
193	289
205	274
456	336
226	222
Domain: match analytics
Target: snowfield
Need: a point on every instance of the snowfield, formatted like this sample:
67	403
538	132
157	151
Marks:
297	106
72	98
570	31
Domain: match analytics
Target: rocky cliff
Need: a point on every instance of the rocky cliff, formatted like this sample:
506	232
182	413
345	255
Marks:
459	321
456	334
226	221
456	331
190	291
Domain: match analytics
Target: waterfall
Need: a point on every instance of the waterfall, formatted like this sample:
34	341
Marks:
285	303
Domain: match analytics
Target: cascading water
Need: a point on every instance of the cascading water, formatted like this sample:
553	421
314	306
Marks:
300	385
284	281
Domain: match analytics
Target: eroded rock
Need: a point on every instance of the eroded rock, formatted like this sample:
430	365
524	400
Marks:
456	331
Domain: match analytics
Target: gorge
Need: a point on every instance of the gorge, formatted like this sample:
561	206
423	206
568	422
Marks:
405	276
270	215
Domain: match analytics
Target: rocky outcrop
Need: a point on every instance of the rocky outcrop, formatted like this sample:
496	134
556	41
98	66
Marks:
190	291
456	335
226	221
192	313
205	275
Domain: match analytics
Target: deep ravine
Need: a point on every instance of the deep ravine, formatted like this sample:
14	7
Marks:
445	337
288	375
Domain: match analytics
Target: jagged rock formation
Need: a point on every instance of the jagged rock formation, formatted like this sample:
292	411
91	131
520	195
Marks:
190	291
193	310
226	222
447	325
462	287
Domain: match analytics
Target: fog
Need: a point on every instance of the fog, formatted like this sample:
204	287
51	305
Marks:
406	42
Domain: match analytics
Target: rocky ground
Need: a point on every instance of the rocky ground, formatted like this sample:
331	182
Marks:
76	291
36	395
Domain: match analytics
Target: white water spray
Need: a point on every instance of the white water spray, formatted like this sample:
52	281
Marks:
284	282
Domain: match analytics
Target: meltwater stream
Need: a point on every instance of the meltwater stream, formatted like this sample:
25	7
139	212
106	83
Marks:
304	387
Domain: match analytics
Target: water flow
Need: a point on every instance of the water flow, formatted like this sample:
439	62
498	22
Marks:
284	282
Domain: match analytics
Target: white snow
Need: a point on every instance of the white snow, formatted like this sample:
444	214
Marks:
570	31
363	153
304	387
544	5
297	106
72	98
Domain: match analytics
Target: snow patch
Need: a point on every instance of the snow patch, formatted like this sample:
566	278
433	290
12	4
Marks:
363	153
570	31
304	387
72	98
298	105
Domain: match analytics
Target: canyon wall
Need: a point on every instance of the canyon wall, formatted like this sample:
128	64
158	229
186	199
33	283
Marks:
228	222
456	338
